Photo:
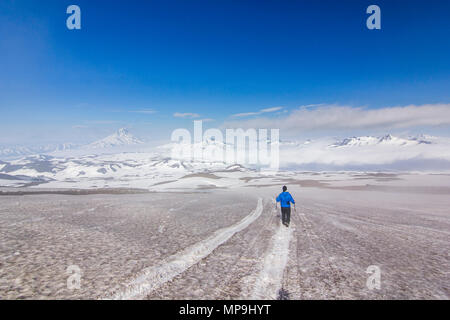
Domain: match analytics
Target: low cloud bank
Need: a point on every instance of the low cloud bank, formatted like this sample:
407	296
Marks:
334	118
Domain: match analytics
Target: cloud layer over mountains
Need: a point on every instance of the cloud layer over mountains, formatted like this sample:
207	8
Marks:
334	118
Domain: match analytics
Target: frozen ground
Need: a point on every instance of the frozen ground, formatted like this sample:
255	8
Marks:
223	240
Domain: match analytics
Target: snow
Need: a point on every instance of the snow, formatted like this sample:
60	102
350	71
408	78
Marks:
420	153
10	183
368	153
20	151
385	140
150	227
152	278
157	171
205	245
120	138
269	280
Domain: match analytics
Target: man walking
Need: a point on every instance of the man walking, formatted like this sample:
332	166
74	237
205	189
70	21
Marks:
285	200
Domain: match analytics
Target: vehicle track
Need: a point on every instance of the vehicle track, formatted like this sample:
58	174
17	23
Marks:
318	275
153	277
269	282
219	275
234	273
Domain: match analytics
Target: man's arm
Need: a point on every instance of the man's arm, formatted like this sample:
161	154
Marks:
293	201
277	200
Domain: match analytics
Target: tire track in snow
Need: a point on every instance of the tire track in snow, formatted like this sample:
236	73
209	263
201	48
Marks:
270	278
235	271
153	277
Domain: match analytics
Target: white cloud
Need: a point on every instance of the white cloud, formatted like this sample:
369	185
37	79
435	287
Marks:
320	152
102	122
246	114
186	115
334	117
145	111
270	109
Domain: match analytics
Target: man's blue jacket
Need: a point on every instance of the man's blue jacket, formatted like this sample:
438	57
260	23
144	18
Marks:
285	198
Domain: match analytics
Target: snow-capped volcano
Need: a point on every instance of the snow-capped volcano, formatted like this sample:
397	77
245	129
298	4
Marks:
387	140
121	138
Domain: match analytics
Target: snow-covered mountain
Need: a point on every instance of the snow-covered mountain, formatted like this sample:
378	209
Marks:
387	152
21	151
120	138
387	140
121	168
104	170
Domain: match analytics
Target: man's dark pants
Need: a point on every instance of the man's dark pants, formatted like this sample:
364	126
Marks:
285	215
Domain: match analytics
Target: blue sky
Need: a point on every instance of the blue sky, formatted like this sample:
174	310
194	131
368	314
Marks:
137	63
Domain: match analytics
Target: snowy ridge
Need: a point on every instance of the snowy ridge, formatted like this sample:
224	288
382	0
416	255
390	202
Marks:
20	151
385	140
387	152
121	138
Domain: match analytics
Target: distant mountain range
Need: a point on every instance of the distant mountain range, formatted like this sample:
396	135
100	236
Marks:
21	151
371	153
118	139
384	140
110	158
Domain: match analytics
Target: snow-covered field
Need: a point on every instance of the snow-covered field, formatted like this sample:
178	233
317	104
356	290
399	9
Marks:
140	224
217	235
